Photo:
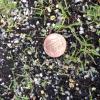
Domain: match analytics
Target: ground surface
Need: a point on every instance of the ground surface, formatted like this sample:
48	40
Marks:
27	73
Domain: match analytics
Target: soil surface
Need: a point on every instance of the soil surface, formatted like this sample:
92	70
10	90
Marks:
28	73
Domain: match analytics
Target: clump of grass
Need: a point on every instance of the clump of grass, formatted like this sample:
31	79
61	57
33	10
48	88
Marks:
94	13
6	6
86	49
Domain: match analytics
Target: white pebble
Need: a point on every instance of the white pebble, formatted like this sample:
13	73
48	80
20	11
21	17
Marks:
29	52
48	24
53	24
67	56
81	32
16	41
56	11
80	92
98	26
84	15
33	26
24	1
67	92
42	92
86	76
93	88
67	98
81	28
41	74
49	9
9	76
51	67
97	49
11	34
9	44
78	19
0	79
22	89
2	83
77	88
23	36
89	18
83	8
37	22
36	81
15	17
76	1
46	78
27	12
57	6
91	27
8	57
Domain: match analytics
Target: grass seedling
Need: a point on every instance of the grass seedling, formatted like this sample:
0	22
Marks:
6	6
94	13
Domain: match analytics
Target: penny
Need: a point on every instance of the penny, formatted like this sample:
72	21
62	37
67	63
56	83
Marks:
54	45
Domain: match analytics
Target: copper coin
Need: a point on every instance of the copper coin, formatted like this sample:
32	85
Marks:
54	45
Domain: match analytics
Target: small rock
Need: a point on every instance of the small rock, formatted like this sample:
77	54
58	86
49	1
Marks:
48	24
24	1
9	44
42	92
41	74
93	88
81	28
29	52
48	9
0	79
76	1
81	32
37	22
16	41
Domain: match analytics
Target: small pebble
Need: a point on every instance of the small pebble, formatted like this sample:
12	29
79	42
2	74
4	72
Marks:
9	44
48	24
37	81
81	29
41	75
52	17
67	92
48	9
16	41
42	92
97	49
24	1
76	1
23	36
56	11
0	79
71	85
2	83
29	52
68	98
89	18
53	24
81	32
86	76
93	89
9	76
57	6
91	27
37	22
